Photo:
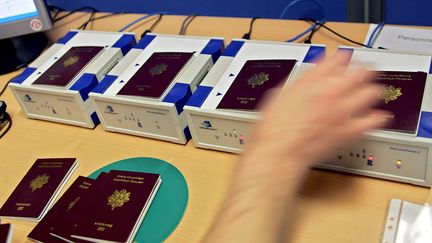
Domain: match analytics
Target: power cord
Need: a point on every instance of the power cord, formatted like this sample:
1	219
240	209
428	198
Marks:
308	40
153	26
7	83
91	19
310	29
334	32
74	11
138	20
5	117
186	23
247	35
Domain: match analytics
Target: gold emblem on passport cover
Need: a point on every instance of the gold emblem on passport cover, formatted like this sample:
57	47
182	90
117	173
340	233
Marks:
70	61
158	69
39	182
118	198
391	93
258	79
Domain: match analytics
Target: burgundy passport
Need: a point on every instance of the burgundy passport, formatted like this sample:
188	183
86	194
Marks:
62	72
402	96
252	82
6	233
118	207
71	219
37	189
156	74
61	210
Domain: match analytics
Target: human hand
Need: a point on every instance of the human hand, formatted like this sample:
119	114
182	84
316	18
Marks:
324	109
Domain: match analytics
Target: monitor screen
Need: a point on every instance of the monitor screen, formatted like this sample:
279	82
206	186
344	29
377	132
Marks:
13	10
19	17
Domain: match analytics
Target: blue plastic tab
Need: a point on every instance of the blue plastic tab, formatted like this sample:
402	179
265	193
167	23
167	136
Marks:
425	125
178	95
199	96
125	43
214	48
144	42
24	75
67	37
95	118
314	53
85	84
104	84
349	51
187	133
233	48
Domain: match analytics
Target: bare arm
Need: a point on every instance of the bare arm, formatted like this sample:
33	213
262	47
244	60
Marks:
324	109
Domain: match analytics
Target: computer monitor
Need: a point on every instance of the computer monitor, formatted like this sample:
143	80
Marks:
21	37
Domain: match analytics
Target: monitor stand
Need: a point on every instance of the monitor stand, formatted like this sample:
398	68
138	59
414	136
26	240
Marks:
18	52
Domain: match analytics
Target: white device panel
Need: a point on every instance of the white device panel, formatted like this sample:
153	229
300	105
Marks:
230	130
158	118
70	104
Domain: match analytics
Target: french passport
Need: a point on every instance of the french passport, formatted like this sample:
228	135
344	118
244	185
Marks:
402	97
35	193
61	210
68	66
156	74
118	207
254	79
71	217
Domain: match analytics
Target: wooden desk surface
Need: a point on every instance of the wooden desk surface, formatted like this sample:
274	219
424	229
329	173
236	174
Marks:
332	207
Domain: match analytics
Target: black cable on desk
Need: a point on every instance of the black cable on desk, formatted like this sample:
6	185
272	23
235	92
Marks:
8	118
308	40
186	23
247	35
4	117
91	19
153	26
7	83
74	11
334	32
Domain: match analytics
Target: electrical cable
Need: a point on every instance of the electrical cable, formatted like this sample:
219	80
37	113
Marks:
84	25
153	26
303	33
138	20
336	33
247	35
291	4
8	118
74	11
7	83
186	23
376	32
308	40
57	10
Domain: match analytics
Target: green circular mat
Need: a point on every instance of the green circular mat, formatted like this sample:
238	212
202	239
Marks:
169	204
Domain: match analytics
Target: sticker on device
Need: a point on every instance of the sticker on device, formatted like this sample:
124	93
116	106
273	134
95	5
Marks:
36	24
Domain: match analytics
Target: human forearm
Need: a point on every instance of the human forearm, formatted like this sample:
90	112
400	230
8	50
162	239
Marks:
257	209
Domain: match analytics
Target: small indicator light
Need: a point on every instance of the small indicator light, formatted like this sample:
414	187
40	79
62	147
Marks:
370	160
398	164
241	139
